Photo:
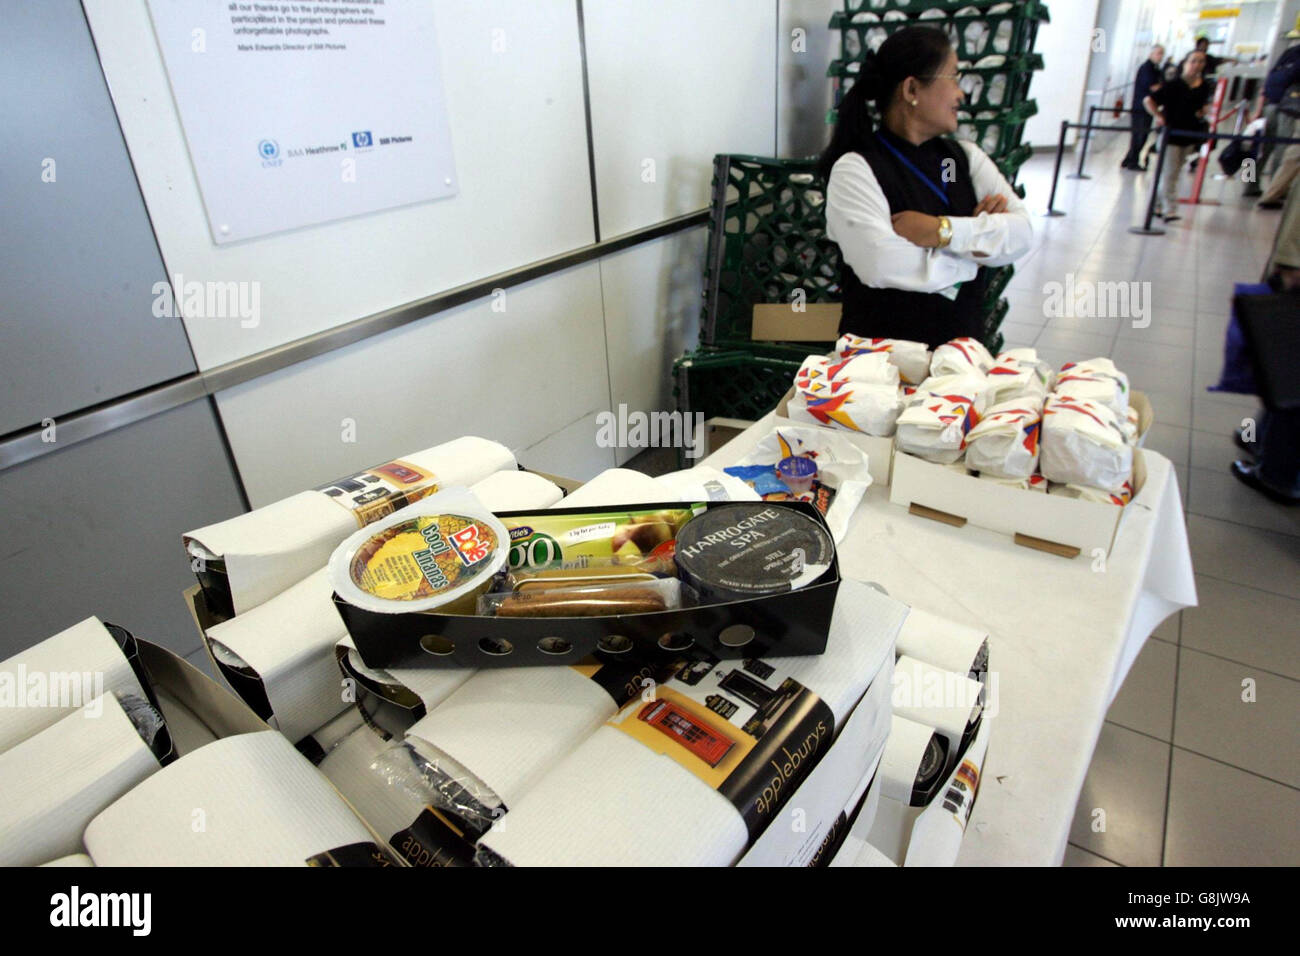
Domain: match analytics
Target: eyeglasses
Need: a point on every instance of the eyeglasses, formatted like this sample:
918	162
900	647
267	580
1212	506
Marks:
957	77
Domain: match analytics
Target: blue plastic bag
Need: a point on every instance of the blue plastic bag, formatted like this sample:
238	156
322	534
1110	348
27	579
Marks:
1237	375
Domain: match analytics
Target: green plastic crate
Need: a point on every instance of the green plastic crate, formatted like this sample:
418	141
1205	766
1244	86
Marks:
1009	33
767	244
998	280
996	132
1010	164
987	87
990	335
914	8
731	383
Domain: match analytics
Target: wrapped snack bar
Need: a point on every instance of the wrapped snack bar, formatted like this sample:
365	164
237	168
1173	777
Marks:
1005	442
912	359
1011	379
1083	444
959	356
935	426
870	409
868	368
1097	380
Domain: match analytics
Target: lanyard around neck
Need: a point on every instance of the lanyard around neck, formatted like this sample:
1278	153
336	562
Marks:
940	191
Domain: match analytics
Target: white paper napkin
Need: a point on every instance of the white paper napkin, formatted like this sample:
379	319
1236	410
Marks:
507	726
289	643
618	486
70	670
248	800
55	782
940	641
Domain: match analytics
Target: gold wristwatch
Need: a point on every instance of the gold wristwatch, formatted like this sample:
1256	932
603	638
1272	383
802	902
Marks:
945	232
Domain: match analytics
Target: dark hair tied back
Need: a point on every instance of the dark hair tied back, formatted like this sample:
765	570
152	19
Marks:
912	51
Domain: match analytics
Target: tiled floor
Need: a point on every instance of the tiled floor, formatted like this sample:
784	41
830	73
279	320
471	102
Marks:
1198	760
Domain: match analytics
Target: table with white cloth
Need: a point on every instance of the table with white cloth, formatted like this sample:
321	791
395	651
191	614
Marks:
1062	636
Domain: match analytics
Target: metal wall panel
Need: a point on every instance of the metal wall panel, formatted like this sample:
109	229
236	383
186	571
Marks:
78	259
95	529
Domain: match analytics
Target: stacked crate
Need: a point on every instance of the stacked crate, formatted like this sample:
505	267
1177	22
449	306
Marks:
995	52
767	229
767	244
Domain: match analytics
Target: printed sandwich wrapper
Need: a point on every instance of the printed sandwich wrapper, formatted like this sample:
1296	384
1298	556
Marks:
830	788
879	451
867	368
1069	523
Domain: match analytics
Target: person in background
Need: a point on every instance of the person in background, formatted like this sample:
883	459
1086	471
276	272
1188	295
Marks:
1149	79
1212	62
915	214
1280	186
1275	472
1179	105
1278	122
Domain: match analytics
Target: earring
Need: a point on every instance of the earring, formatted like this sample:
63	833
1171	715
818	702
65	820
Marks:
913	102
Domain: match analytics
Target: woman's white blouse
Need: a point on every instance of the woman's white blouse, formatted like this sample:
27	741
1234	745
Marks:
858	219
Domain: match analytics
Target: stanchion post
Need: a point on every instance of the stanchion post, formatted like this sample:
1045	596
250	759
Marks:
1146	229
1083	150
1056	175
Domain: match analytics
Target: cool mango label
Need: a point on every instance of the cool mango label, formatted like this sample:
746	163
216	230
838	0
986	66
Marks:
423	557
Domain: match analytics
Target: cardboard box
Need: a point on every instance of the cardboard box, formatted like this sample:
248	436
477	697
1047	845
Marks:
1054	523
197	709
817	322
792	623
879	451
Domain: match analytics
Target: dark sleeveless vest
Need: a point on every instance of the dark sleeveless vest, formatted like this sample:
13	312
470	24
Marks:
920	316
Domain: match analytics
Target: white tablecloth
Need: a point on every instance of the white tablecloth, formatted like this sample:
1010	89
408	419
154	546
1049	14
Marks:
1062	639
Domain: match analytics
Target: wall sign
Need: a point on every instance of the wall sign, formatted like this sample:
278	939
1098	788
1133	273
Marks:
298	113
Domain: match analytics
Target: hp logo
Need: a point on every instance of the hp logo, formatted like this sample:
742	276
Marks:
361	140
268	149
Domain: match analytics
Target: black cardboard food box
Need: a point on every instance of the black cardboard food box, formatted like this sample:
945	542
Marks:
792	623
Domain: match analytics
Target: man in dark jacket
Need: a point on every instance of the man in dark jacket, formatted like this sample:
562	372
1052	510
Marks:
1149	78
1284	75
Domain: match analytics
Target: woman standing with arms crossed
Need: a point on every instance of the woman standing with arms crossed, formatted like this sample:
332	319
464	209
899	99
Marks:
915	214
